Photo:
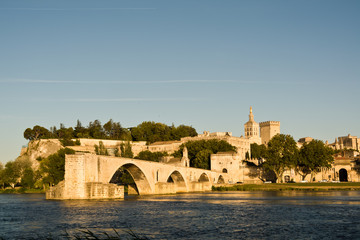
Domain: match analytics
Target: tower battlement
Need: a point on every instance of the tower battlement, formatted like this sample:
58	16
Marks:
268	129
268	123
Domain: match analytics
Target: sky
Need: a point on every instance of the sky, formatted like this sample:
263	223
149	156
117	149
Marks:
195	62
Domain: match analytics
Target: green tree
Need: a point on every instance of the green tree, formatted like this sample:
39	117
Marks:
126	150
202	160
80	131
182	131
96	130
101	149
65	133
11	174
257	151
258	171
282	153
151	132
14	171
314	156
36	133
52	168
151	156
113	130
28	178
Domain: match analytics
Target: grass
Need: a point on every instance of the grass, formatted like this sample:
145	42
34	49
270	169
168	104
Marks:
289	187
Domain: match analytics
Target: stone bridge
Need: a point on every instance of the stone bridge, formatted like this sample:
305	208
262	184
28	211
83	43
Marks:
88	176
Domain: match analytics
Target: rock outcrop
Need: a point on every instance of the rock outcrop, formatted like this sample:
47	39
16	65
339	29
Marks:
39	149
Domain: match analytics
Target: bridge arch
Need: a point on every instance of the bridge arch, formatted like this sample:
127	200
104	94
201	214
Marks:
179	181
204	178
140	180
221	179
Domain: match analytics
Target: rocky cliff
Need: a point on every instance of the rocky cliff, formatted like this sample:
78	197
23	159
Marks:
39	149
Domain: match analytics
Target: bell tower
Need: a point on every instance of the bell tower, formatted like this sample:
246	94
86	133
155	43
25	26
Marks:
252	129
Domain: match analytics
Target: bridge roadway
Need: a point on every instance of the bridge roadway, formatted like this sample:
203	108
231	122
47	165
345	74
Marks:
89	176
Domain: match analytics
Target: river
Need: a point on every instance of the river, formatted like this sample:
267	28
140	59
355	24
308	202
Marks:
213	215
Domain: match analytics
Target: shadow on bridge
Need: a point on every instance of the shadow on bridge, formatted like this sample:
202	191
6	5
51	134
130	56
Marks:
136	182
133	178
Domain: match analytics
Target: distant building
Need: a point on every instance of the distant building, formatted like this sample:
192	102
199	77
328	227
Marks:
346	142
301	141
305	140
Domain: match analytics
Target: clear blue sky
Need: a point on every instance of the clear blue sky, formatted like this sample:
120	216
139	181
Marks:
200	63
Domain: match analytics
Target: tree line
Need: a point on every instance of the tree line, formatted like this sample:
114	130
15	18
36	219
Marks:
282	154
146	131
20	173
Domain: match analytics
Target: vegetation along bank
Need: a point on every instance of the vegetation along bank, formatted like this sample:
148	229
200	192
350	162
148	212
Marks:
346	186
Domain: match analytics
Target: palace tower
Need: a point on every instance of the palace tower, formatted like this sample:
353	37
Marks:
268	130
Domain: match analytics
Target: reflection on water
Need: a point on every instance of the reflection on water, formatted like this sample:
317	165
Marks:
225	215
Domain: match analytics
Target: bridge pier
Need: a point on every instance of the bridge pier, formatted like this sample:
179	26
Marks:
92	190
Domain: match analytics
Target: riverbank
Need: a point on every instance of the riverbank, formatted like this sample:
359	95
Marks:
290	187
21	190
346	186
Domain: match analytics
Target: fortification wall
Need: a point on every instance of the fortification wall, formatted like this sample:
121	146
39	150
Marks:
87	145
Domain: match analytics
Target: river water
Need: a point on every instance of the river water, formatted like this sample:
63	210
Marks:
224	215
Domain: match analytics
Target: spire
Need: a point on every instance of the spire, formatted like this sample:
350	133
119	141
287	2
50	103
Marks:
251	115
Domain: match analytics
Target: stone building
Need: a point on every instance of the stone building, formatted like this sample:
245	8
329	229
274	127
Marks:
225	162
346	142
343	169
303	140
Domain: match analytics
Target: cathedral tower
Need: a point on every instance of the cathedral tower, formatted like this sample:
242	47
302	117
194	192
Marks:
252	129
